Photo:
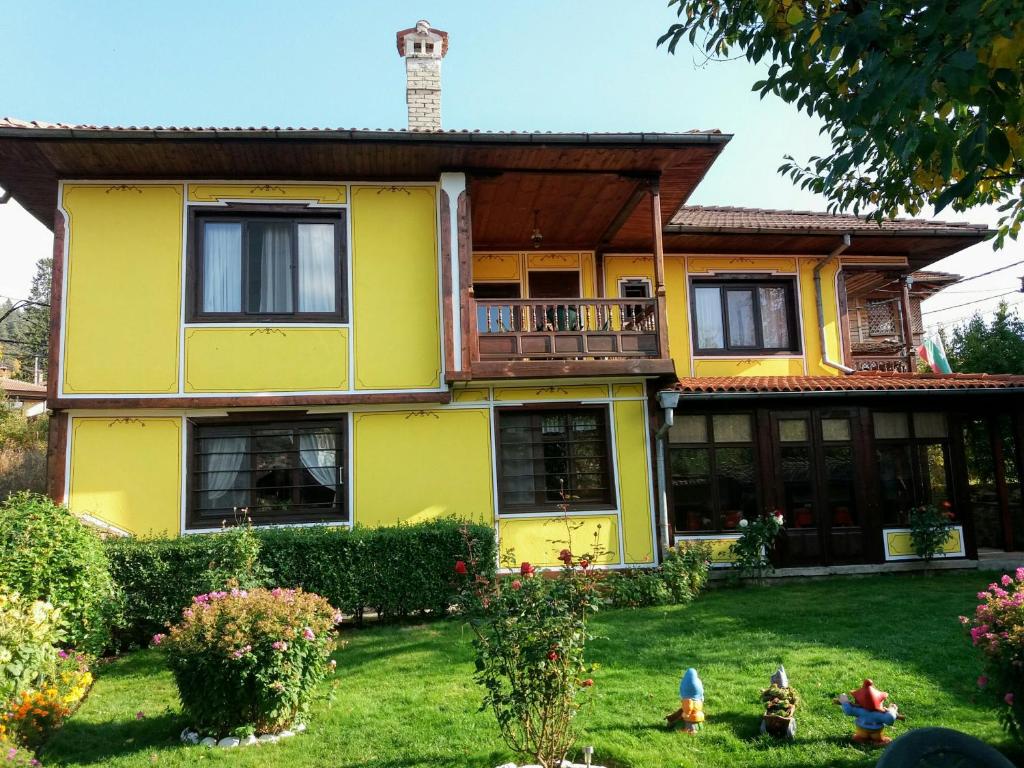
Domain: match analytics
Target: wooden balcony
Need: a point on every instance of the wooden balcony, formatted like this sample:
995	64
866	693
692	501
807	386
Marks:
884	363
565	337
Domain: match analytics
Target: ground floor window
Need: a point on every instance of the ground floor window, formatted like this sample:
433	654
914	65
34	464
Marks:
912	452
714	469
544	452
280	472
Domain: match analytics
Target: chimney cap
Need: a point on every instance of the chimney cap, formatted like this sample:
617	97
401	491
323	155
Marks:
424	31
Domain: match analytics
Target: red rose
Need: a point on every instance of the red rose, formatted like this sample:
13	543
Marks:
526	569
517	584
565	556
947	505
460	567
553	656
584	564
587	683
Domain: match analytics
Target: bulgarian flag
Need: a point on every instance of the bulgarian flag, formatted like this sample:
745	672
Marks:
933	353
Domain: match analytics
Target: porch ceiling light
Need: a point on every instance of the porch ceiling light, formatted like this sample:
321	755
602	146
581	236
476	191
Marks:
537	236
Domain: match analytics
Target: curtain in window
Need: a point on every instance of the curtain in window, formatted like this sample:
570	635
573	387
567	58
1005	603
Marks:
316	268
774	316
710	334
318	452
222	267
741	318
270	246
223	464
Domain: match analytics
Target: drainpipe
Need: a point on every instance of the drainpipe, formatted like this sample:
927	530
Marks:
668	401
821	312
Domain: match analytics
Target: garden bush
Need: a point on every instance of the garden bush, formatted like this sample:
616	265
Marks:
752	550
398	571
929	529
46	553
679	579
997	631
29	631
32	716
250	661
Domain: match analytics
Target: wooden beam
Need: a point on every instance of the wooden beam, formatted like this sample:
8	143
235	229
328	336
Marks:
250	401
53	371
523	369
657	248
907	328
464	218
446	282
624	213
56	456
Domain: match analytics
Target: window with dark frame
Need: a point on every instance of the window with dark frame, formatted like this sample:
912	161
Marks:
273	266
542	452
740	316
912	451
713	460
281	472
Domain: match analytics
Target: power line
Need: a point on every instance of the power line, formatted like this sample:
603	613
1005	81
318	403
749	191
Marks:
968	303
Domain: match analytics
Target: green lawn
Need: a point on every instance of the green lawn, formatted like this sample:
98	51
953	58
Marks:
404	696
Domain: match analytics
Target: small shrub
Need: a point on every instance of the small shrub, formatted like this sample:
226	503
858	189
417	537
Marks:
530	637
779	701
997	631
686	569
929	530
22	451
636	588
29	631
250	659
34	714
752	550
46	553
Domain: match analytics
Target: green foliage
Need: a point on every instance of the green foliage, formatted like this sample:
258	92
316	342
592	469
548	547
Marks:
923	102
929	529
752	550
779	701
29	632
22	451
396	572
530	638
679	579
250	659
29	326
46	553
996	347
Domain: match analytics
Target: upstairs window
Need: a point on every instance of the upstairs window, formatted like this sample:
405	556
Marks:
272	268
281	472
744	316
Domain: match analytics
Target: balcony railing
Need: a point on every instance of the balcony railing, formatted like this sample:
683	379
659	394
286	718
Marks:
884	363
567	329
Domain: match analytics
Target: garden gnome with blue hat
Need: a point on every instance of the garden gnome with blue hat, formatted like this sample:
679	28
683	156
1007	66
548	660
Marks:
870	714
691	703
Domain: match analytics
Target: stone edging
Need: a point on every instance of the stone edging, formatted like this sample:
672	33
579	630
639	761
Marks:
191	737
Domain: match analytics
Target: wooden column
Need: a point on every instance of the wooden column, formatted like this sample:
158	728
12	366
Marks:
470	340
659	267
907	328
1002	492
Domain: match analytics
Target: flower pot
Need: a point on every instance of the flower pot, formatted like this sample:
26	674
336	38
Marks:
779	726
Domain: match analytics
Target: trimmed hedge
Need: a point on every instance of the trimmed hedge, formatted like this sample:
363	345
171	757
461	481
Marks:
397	571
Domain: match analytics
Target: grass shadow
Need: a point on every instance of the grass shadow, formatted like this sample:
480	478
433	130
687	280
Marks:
100	742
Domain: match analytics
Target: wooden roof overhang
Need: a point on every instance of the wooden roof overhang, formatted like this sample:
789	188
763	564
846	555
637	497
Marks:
920	248
579	181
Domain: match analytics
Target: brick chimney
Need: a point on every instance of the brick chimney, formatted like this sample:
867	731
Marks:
423	48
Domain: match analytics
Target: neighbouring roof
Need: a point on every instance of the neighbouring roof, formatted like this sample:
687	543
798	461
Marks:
23	389
864	382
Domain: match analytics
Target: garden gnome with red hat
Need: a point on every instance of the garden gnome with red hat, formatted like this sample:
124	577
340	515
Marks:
870	713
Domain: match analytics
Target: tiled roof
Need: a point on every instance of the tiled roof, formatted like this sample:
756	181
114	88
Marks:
22	387
598	136
724	218
855	382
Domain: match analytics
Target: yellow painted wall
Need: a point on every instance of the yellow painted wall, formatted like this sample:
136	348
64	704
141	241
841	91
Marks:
122	308
634	467
553	392
505	267
539	540
678	271
899	543
326	194
411	466
396	311
127	472
722	552
266	359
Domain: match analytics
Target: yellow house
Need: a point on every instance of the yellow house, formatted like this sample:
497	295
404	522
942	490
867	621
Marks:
348	327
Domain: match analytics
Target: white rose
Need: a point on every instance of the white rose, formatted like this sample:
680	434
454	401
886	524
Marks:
744	523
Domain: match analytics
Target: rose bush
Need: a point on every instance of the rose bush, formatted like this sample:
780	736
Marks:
752	550
250	660
997	631
530	636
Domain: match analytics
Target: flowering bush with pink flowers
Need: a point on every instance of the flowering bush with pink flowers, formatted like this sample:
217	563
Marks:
997	630
249	661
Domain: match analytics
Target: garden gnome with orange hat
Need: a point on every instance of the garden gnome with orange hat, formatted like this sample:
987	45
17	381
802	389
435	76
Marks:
870	714
691	703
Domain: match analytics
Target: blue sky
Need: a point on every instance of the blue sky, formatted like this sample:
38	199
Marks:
569	65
